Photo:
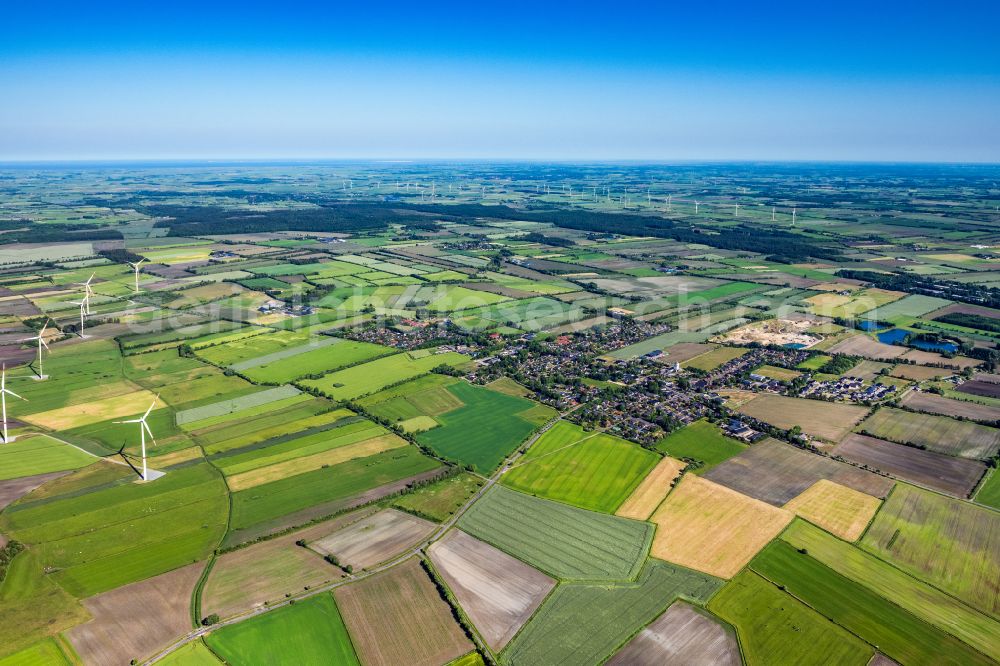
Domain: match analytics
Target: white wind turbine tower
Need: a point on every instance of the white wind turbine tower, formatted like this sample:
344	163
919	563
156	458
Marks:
82	305
40	338
793	217
4	392
87	290
135	267
143	429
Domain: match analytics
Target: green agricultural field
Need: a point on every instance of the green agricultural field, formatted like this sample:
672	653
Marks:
529	314
908	306
439	500
222	410
461	436
563	541
44	653
701	441
296	362
583	623
239	349
989	492
308	632
449	298
326	486
949	543
598	472
293	420
775	628
33	606
711	360
39	454
925	602
373	376
251	458
125	532
194	653
814	362
897	633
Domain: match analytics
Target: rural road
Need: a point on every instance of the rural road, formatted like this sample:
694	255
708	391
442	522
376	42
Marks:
196	634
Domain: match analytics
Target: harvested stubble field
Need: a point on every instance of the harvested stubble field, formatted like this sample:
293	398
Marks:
136	620
309	632
598	472
922	401
682	635
498	592
132	403
838	509
775	472
896	632
711	528
373	539
826	420
562	541
398	617
867	347
776	628
919	373
584	623
953	544
925	602
937	433
279	567
947	474
651	491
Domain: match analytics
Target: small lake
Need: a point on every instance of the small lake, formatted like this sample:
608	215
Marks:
868	325
897	335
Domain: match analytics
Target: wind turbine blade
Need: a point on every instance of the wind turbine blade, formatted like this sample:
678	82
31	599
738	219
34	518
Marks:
9	392
44	343
149	432
150	408
130	421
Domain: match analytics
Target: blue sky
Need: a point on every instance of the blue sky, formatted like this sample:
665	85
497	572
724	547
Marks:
891	81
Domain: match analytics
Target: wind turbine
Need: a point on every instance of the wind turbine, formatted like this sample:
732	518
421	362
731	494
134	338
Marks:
88	290
4	392
135	267
143	429
82	305
41	343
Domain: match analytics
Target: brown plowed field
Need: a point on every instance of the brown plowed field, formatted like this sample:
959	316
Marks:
683	636
375	539
775	473
136	620
498	592
948	474
398	617
936	404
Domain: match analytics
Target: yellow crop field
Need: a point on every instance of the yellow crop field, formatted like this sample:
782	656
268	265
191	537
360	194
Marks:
74	416
838	509
648	494
710	528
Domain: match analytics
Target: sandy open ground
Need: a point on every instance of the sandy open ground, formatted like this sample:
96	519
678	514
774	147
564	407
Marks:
374	539
497	591
651	491
838	509
710	528
773	332
683	636
135	620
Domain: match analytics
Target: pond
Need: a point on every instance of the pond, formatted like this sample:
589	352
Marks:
897	335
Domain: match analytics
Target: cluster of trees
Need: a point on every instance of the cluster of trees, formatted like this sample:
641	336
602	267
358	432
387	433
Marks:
203	220
26	231
780	245
921	284
121	256
975	321
555	241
